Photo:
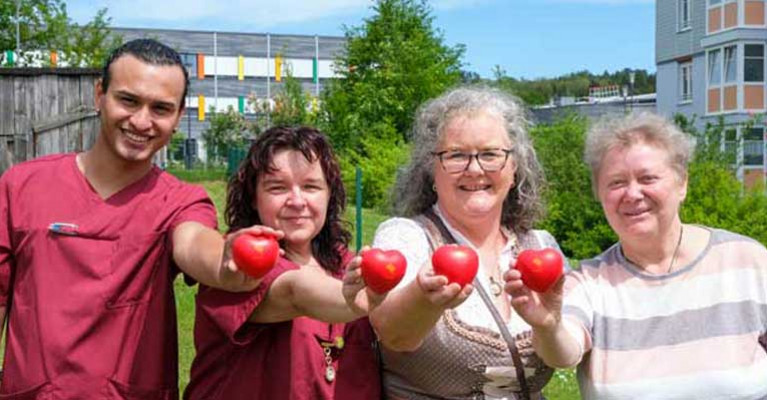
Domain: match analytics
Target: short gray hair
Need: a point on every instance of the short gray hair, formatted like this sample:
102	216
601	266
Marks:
644	127
414	192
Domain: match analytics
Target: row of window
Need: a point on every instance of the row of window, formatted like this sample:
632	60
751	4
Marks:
723	14
726	68
752	149
723	72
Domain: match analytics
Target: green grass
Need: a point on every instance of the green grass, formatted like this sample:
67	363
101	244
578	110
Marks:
562	386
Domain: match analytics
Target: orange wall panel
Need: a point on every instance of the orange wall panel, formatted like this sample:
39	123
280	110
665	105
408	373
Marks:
730	97
754	12
714	19
753	97
753	177
200	66
713	100
730	15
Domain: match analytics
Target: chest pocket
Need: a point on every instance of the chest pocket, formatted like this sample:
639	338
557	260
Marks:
135	263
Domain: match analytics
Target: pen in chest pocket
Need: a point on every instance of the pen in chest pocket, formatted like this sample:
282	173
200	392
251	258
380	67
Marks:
63	228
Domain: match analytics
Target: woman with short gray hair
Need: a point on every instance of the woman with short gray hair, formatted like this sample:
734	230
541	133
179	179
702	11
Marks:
473	179
671	311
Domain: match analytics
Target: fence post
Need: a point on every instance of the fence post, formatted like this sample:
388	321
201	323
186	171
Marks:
358	192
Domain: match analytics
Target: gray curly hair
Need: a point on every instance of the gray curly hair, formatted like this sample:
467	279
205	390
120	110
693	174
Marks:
624	131
414	191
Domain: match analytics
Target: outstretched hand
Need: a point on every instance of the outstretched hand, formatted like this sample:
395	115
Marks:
540	310
438	291
360	298
229	274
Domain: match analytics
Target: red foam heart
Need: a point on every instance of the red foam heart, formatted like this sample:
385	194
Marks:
458	263
382	270
255	255
540	269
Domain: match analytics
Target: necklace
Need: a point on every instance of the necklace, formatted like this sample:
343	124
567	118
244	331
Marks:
496	285
676	250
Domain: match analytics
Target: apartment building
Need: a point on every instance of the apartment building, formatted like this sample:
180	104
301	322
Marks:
710	65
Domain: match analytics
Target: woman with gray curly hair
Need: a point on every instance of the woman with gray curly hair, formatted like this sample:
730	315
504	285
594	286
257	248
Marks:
671	311
473	179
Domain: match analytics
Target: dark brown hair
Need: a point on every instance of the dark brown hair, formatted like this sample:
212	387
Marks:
333	238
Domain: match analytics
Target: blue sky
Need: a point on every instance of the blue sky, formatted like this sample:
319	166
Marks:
526	38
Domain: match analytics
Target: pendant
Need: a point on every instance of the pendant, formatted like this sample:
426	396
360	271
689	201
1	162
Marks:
330	373
495	287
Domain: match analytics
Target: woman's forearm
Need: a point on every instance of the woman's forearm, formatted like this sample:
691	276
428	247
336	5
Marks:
405	318
557	347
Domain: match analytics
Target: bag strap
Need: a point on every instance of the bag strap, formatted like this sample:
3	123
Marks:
437	223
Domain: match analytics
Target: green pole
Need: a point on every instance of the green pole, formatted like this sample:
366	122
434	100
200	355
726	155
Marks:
358	192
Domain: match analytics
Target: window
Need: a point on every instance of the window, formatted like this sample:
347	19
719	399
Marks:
730	64
190	62
683	14
714	2
714	68
753	63
685	81
753	146
730	145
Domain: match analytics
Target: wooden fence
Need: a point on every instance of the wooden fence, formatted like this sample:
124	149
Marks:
45	111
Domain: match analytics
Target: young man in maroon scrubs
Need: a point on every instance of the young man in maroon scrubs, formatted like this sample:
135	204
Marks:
90	244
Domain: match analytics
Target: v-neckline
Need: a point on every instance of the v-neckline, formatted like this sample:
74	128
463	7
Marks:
93	196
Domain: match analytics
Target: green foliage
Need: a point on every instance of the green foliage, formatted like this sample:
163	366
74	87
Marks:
293	105
227	130
715	197
44	25
539	91
573	215
379	165
393	62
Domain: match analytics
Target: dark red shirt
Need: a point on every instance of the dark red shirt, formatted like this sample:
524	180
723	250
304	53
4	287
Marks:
237	359
90	288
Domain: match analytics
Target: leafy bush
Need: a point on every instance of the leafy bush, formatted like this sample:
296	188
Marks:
379	158
573	215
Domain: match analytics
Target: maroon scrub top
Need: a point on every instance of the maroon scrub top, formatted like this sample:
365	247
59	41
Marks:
89	282
237	359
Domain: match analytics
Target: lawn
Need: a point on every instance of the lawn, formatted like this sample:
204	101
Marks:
562	386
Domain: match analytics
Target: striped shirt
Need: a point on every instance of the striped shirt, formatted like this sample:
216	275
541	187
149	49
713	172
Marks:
690	334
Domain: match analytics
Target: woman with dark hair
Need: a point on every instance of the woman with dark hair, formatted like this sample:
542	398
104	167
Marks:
301	334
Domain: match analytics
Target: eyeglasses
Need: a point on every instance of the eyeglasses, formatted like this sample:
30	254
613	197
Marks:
489	160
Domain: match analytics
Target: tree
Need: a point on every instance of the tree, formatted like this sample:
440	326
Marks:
573	215
393	62
227	130
293	105
45	26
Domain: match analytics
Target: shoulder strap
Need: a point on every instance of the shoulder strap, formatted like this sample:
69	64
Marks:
433	224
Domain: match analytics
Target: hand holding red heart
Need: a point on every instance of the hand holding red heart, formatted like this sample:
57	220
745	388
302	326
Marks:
540	268
382	270
459	264
255	255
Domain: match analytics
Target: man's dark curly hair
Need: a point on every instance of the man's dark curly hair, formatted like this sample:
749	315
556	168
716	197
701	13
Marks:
333	238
